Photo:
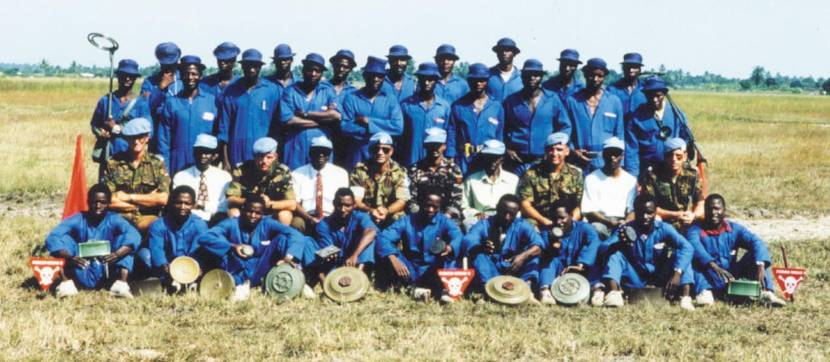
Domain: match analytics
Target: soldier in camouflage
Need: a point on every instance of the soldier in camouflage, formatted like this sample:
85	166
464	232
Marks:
675	186
267	177
437	171
380	185
137	179
548	180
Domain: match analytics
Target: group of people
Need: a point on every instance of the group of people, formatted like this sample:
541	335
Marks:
517	174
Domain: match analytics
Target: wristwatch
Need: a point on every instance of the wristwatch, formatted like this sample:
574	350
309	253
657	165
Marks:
305	115
116	129
678	270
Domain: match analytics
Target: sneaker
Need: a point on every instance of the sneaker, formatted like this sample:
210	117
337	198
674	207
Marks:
770	298
705	298
120	289
446	298
546	297
66	289
175	287
598	298
421	294
308	292
242	292
614	298
686	303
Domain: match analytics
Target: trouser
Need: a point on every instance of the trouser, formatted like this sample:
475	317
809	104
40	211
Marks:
622	271
553	267
489	266
95	275
706	278
421	275
255	268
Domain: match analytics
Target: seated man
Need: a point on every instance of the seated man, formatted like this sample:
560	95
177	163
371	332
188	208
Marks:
96	224
137	179
675	186
380	185
272	242
608	198
716	241
208	181
504	244
315	184
483	189
266	177
407	249
350	230
574	252
435	170
645	261
548	180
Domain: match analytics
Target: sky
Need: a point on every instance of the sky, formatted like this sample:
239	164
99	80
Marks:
727	37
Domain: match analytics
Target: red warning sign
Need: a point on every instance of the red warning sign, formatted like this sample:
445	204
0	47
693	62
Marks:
46	270
456	281
788	279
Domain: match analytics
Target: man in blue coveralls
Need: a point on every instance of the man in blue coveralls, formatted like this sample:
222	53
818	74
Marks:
564	83
368	111
628	89
477	117
504	77
283	76
422	111
342	64
350	230
397	82
247	113
597	115
216	83
450	87
162	84
98	223
307	111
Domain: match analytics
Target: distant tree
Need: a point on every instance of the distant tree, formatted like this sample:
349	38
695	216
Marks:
745	84
796	84
771	82
826	87
758	75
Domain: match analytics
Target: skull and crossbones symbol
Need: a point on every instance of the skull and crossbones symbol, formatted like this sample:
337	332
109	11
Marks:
454	285
790	283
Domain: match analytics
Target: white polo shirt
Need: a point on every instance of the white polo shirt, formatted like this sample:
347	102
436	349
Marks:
612	196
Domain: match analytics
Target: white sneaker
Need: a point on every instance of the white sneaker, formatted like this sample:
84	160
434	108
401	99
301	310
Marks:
614	299
446	298
547	297
421	294
176	286
66	289
120	289
242	292
686	303
308	292
598	298
768	296
705	298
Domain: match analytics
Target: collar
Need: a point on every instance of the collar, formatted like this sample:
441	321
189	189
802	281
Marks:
725	227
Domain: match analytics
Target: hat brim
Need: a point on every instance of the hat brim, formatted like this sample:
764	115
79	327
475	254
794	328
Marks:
407	57
632	63
137	74
226	58
515	49
334	59
447	55
478	77
431	75
290	56
252	61
307	62
577	61
365	71
533	71
664	89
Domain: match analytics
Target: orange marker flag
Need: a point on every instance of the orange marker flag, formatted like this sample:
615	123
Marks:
76	197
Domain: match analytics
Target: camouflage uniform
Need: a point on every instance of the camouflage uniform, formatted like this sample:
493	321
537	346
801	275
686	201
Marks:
542	187
446	177
672	193
150	175
383	189
277	184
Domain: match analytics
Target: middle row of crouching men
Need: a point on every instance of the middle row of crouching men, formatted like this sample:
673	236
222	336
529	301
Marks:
409	251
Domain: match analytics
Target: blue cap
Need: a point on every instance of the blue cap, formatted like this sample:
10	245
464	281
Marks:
283	51
557	138
265	145
435	135
428	69
252	55
375	65
533	65
506	43
191	59
493	147
596	63
632	58
204	140
673	144
654	83
315	58
398	51
569	55
168	53
226	51
478	71
128	66
613	142
321	141
446	50
343	54
137	127
380	138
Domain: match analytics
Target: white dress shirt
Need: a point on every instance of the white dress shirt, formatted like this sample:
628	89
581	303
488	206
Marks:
612	196
217	181
305	186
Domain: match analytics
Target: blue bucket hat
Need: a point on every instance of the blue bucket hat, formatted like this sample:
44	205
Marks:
493	147
204	140
556	139
128	66
191	60
533	65
375	65
398	51
252	55
506	43
655	83
315	58
478	71
428	69
265	145
632	58
673	144
569	55
283	51
321	141
596	63
168	53
343	54
435	135
380	138
137	127
226	51
446	50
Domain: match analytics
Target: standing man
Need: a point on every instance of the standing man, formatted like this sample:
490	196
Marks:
530	116
504	77
315	184
282	77
564	83
628	88
675	186
597	116
422	111
439	172
267	177
369	111
477	117
608	199
216	83
350	230
450	87
162	84
307	110
548	180
342	64
185	116
483	189
398	83
380	185
208	181
248	111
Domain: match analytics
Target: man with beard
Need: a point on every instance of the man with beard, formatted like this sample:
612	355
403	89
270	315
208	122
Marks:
548	180
381	185
483	189
216	83
210	182
675	186
504	77
421	111
350	230
450	86
628	88
98	223
315	184
565	84
608	199
266	177
437	171
164	83
477	117
397	82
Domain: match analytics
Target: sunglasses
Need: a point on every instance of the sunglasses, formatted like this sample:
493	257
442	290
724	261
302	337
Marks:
387	149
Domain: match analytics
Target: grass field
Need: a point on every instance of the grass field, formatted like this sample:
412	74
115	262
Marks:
766	152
